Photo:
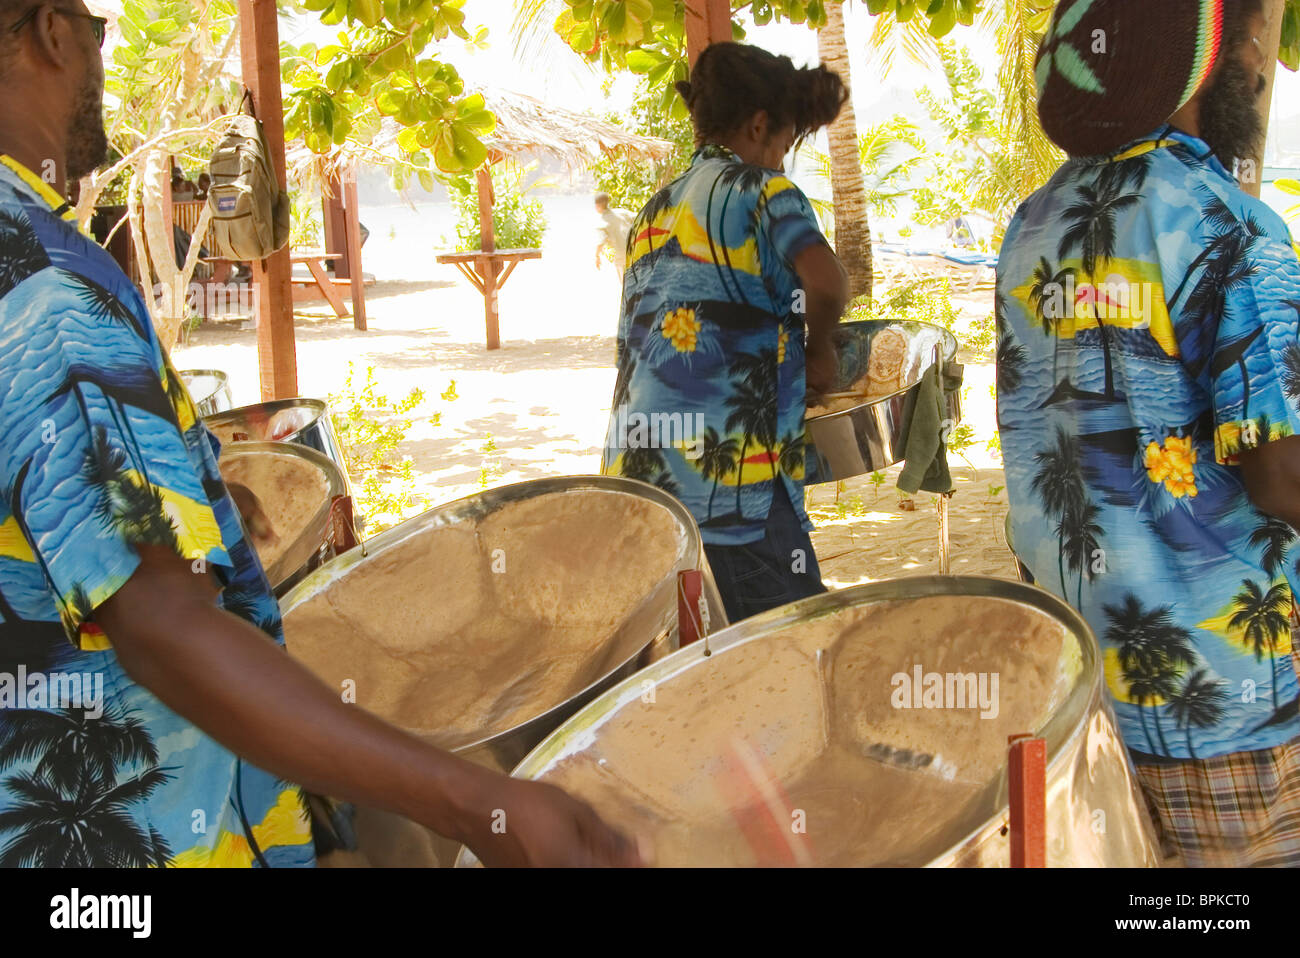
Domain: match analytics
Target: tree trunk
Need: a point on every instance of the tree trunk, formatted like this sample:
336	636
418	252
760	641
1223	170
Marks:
848	190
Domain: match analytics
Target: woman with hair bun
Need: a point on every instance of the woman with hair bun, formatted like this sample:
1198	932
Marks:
729	301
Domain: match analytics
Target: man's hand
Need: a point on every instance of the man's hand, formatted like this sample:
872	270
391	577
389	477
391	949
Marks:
821	367
541	826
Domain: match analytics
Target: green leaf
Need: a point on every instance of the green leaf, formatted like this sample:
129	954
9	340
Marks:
642	61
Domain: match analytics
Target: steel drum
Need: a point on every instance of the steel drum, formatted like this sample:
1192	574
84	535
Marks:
1095	812
314	542
873	434
305	422
210	390
649	633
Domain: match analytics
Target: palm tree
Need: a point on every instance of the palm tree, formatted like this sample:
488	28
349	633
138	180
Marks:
1198	703
1079	533
133	507
86	828
717	460
848	188
1235	353
1092	232
1291	372
752	413
643	462
72	809
1059	484
21	251
1151	648
1264	617
1273	536
1047	279
790	458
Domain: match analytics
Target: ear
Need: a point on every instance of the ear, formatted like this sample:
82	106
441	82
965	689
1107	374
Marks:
53	43
758	126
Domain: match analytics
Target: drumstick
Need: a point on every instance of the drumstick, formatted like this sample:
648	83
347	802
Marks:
760	807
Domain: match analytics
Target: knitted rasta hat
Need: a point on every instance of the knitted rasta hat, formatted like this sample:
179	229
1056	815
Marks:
1109	71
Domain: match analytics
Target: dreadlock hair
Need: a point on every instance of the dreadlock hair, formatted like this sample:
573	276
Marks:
732	81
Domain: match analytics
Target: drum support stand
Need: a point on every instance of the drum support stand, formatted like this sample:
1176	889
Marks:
943	532
1027	779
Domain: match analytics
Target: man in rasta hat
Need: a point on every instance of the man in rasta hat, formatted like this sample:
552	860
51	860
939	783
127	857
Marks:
1148	400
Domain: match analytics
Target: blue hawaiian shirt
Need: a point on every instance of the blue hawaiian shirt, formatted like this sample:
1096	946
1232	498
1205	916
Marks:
709	400
101	450
1148	312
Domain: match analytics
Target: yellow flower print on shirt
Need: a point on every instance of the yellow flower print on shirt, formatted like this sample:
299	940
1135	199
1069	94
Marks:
681	328
1172	464
781	340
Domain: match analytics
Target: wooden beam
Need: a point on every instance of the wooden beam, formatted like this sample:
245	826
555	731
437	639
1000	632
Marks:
707	22
1252	177
259	50
487	266
352	233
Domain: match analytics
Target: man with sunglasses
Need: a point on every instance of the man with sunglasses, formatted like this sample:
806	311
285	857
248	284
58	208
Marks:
124	564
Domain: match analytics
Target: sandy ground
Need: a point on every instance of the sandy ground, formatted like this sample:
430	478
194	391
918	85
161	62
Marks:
543	400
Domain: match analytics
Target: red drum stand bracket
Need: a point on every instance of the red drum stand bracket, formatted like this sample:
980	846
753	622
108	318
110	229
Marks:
1027	777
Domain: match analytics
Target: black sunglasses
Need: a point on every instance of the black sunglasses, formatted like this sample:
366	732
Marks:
98	25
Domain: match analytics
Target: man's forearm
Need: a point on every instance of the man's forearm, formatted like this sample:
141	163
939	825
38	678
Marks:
230	680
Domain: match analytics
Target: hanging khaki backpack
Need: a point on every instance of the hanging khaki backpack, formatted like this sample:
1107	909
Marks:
250	213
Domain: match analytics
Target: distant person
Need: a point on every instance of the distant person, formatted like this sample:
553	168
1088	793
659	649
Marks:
959	232
182	189
204	184
615	224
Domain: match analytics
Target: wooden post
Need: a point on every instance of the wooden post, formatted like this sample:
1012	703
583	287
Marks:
707	21
335	227
1253	179
259	50
352	235
1027	781
487	266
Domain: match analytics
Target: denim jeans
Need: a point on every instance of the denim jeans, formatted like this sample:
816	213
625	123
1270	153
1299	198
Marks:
760	575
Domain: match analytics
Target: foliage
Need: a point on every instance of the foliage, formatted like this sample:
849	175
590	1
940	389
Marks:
370	429
517	222
380	67
649	36
978	168
922	300
890	153
631	183
306	226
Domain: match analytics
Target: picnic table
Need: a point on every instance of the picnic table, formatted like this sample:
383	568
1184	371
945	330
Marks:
488	270
314	260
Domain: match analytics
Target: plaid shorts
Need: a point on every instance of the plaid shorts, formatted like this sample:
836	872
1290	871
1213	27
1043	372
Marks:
1232	810
1241	809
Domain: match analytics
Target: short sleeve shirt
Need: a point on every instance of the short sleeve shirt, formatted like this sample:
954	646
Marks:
709	400
101	451
1148	313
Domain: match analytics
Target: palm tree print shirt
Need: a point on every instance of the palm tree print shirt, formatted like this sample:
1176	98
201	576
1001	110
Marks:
709	401
101	450
1148	312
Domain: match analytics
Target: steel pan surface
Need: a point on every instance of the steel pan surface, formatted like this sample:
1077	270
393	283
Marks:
301	420
873	434
1090	778
650	629
312	543
210	390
